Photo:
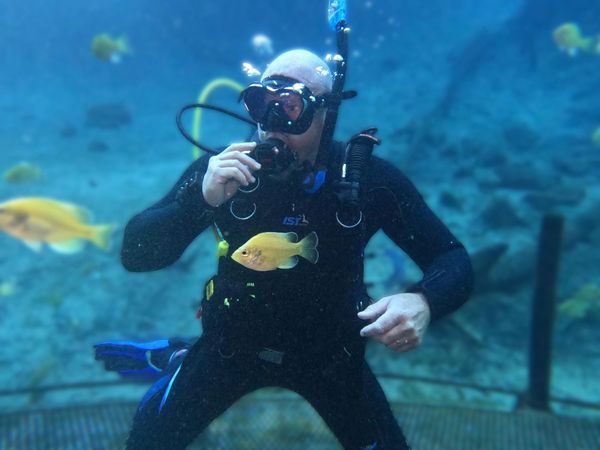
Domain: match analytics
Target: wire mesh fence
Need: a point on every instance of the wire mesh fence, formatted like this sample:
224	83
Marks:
291	424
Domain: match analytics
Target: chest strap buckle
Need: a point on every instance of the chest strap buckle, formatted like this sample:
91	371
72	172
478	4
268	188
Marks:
270	355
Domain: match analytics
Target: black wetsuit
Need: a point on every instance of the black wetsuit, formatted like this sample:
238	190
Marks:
294	328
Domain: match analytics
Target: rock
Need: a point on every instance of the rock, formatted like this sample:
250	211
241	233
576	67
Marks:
97	146
485	258
471	147
500	213
522	176
581	228
513	270
555	197
494	159
520	136
463	172
68	131
450	152
574	167
107	116
449	200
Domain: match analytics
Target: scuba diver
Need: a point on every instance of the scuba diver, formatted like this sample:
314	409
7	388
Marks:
288	307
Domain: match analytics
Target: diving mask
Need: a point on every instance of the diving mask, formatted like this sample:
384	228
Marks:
282	104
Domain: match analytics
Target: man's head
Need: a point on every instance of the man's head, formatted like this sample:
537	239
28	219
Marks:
311	71
303	66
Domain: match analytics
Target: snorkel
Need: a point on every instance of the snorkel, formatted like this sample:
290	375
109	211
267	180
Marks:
336	12
337	22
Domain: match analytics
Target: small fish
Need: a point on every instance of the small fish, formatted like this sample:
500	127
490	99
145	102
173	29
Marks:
568	38
596	137
582	303
62	226
107	48
8	288
22	173
270	251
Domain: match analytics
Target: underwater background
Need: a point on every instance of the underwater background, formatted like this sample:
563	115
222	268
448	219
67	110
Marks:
475	101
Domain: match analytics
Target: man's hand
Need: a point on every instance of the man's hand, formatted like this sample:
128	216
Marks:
398	321
227	171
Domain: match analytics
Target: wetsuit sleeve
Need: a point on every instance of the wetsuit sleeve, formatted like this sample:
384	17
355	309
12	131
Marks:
401	212
156	237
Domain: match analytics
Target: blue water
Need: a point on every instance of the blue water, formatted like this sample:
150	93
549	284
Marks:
493	136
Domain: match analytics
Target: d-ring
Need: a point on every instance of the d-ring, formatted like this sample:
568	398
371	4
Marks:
226	356
240	217
251	187
337	217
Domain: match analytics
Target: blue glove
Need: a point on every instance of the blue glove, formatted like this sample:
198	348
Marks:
145	361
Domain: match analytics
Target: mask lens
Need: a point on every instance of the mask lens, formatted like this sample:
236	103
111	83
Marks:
292	104
258	100
254	99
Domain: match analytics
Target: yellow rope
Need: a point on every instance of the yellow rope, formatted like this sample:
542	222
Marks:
208	89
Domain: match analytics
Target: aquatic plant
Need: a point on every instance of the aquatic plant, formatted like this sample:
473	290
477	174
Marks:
38	375
108	116
583	302
54	298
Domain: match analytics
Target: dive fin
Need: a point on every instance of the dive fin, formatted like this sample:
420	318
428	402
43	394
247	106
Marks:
141	360
101	237
67	247
308	247
36	246
291	237
289	263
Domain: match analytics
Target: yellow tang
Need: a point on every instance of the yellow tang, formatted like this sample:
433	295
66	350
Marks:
22	173
107	48
61	225
568	38
270	251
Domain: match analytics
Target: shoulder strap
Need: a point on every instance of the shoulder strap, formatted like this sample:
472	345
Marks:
356	157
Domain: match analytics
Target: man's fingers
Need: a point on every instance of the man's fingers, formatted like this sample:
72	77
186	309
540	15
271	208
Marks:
231	188
373	311
402	345
240	152
226	174
239	147
381	326
238	165
399	334
241	157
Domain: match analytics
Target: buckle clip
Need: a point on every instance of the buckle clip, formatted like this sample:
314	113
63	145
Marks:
270	355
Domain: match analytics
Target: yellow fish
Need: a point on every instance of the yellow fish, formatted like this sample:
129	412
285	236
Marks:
270	251
568	38
107	48
22	173
37	220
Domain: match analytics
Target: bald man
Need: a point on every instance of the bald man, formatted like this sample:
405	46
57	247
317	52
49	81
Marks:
288	306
